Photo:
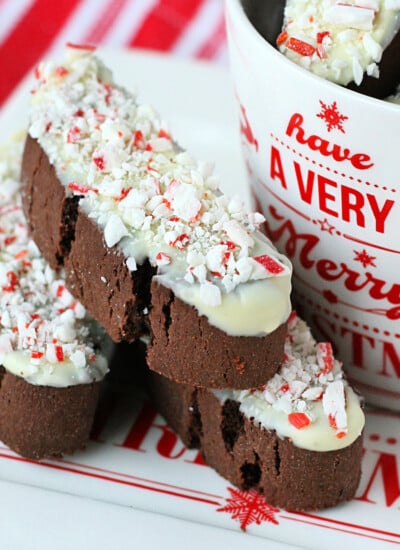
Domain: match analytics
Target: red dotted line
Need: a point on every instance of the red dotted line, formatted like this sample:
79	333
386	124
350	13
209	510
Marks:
336	172
346	320
389	440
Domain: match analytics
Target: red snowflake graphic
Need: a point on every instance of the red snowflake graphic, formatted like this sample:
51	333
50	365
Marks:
249	507
326	226
364	258
332	117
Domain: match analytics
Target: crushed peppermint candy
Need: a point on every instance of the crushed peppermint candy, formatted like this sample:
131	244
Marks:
46	336
307	373
339	40
150	197
309	385
299	420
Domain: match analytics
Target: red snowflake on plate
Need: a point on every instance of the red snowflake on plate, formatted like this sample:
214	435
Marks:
248	507
364	258
332	117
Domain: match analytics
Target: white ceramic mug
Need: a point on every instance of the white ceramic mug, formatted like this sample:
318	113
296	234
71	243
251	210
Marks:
324	166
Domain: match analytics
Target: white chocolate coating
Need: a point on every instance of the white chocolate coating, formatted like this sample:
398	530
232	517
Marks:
308	400
155	201
339	40
46	336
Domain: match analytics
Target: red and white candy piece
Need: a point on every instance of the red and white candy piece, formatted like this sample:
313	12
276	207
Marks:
350	15
163	259
325	357
299	420
300	46
80	189
183	199
334	405
270	264
73	135
237	234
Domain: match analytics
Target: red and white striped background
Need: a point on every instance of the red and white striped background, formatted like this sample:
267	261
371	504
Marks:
30	29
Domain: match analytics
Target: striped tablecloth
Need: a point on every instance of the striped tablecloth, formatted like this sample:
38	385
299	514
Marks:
30	29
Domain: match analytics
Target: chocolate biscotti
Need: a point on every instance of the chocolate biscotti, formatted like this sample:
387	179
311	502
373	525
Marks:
354	44
51	367
297	440
141	227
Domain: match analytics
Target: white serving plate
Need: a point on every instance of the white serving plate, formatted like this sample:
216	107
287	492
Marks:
136	484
